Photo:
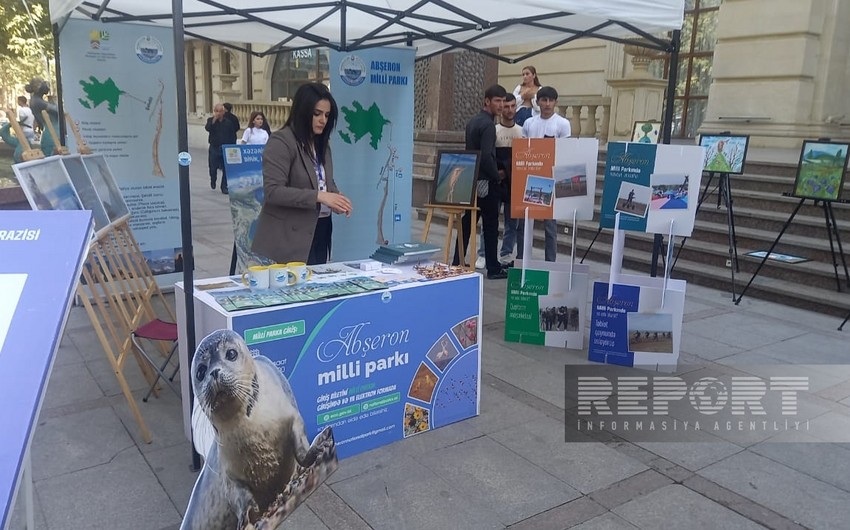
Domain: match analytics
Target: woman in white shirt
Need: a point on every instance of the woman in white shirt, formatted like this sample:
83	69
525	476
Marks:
526	95
258	133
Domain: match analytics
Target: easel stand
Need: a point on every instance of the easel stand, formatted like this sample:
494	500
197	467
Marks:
841	327
455	214
725	195
831	229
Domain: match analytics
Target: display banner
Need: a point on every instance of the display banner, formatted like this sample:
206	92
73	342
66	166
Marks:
640	325
548	309
244	166
554	177
118	85
652	185
41	254
371	367
373	148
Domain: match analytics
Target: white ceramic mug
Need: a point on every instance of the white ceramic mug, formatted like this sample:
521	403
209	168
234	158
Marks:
298	272
279	275
256	277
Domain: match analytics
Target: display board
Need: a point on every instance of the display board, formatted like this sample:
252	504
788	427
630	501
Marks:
41	253
244	165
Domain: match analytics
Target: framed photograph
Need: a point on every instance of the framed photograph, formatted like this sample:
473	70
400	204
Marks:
455	177
669	191
724	153
633	199
85	190
820	173
47	185
539	191
107	189
646	132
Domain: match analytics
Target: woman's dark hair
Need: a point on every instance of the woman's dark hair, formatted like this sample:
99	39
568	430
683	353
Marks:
300	118
265	126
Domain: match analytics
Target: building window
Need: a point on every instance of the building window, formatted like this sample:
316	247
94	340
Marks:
296	67
695	60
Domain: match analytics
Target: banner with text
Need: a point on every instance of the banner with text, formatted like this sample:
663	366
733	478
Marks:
119	87
373	148
244	165
370	367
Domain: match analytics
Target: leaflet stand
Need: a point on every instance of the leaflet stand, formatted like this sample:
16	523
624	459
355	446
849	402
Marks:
724	194
831	229
455	213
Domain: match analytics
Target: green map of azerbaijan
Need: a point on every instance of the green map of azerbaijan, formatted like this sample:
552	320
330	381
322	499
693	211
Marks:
360	122
98	92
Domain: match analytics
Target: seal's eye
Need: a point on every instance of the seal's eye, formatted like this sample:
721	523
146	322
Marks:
230	355
202	371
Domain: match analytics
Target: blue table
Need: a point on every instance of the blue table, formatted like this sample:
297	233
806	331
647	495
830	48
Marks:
41	253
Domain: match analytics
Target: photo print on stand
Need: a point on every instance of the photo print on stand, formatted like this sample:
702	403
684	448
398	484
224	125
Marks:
454	178
650	332
820	172
47	185
669	191
633	199
85	190
539	191
108	191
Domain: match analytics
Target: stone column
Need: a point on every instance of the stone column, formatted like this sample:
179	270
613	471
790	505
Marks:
636	97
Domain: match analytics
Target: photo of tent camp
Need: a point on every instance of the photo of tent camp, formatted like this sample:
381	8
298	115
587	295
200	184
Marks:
570	181
416	419
454	181
442	352
724	153
85	190
108	191
650	332
646	132
669	191
538	190
633	199
422	386
820	173
47	185
466	332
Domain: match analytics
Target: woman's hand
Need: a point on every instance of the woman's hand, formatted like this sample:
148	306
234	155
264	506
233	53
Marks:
337	202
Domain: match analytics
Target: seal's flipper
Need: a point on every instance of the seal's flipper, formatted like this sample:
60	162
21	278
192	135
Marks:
203	432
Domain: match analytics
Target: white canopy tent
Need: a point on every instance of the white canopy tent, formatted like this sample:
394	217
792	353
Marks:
431	26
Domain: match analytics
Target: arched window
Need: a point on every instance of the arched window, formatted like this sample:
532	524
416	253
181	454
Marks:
293	68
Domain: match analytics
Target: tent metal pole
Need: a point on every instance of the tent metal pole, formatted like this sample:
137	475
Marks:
342	22
185	199
58	77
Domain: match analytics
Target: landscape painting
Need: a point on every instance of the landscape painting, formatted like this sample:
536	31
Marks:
820	173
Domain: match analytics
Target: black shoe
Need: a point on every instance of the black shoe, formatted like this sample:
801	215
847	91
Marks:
212	183
501	275
224	191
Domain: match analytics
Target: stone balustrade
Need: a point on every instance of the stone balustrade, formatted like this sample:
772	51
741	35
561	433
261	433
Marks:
586	118
276	112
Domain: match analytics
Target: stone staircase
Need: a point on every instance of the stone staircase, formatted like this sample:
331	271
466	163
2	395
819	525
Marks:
760	211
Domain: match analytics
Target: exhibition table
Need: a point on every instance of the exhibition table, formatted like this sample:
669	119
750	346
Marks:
377	366
41	253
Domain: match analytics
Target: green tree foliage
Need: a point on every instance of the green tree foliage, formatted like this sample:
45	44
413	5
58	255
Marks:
22	53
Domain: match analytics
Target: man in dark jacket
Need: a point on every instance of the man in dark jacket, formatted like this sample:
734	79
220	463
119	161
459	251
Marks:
481	136
222	131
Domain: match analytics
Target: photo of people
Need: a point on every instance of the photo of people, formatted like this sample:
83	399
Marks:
422	386
85	190
454	181
820	173
650	332
47	185
724	153
633	199
558	317
416	419
107	189
570	181
669	191
538	190
466	332
442	353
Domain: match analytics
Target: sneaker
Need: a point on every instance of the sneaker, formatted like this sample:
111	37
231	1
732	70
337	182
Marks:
480	263
224	191
501	275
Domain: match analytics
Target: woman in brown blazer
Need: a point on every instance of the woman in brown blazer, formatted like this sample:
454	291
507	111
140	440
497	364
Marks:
300	192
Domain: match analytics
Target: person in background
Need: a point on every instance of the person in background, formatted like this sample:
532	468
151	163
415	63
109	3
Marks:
258	131
300	192
222	131
481	136
506	132
526	95
546	125
27	119
228	113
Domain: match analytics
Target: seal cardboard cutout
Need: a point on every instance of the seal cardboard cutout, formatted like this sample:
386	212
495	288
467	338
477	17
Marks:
259	465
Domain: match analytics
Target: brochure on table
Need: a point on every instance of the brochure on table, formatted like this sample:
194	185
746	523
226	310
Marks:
547	308
41	255
369	365
652	185
553	178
